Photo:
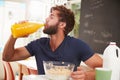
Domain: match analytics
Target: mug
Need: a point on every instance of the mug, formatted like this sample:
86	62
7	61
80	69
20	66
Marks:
103	74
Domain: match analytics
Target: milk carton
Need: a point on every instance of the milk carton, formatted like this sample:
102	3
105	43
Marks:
111	59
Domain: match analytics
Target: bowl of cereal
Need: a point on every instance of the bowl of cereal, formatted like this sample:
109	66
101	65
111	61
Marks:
58	70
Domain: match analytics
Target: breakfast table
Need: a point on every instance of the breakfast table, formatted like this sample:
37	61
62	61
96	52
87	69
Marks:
34	77
37	77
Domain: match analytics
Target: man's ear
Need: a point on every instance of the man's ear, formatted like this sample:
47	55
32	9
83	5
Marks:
62	24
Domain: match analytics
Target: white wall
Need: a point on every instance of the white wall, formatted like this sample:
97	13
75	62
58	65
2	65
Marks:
13	12
1	26
10	12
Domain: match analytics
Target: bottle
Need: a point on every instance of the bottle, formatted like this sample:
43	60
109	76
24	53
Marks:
111	60
23	29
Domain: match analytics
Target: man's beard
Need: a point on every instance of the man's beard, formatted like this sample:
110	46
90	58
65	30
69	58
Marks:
51	29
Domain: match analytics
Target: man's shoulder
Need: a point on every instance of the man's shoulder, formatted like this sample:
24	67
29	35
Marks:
39	40
42	40
75	40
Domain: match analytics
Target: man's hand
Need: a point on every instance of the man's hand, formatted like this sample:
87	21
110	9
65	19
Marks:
79	74
22	22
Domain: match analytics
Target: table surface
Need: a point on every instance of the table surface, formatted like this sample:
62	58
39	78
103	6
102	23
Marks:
37	77
34	77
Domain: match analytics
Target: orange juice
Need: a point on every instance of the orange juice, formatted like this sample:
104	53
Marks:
26	28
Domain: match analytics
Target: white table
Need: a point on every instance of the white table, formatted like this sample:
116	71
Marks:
34	77
37	77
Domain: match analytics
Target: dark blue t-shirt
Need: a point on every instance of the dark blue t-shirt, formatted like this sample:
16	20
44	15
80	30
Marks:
70	50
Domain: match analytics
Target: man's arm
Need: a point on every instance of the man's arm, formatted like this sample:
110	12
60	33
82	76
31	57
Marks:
12	54
93	62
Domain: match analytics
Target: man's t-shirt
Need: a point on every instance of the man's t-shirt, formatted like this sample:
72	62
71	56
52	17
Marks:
70	50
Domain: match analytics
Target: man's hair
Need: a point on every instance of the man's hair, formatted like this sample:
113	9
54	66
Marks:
66	15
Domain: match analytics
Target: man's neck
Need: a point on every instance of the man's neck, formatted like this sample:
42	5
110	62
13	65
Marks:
55	41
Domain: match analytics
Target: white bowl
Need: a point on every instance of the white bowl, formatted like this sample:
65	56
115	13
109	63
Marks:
57	70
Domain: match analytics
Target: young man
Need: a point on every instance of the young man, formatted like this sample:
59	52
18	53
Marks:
59	47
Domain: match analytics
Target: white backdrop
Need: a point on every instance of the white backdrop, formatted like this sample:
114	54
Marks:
10	13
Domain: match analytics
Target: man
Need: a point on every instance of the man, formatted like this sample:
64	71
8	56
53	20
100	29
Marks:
59	47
